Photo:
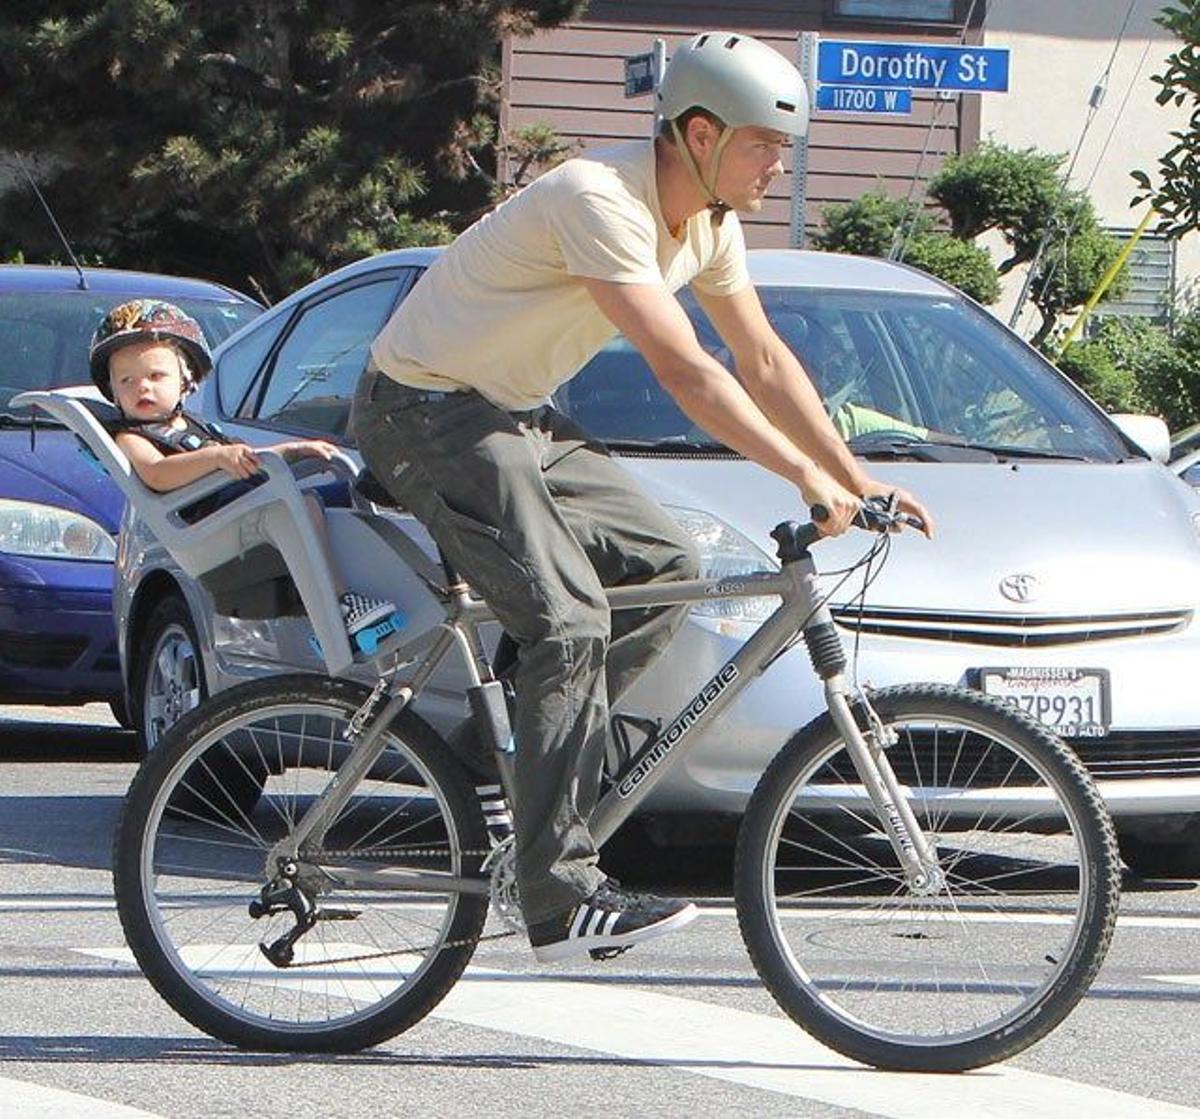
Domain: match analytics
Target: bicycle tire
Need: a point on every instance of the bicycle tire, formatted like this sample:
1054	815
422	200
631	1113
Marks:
851	952
184	879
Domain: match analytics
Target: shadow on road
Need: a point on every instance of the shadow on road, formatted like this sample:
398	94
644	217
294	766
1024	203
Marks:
25	740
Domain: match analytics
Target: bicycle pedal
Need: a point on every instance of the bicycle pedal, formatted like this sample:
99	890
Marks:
602	954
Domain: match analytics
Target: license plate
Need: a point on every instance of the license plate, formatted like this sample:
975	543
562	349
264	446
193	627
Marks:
1073	702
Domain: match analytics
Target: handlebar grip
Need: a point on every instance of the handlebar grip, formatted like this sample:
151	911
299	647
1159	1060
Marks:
819	513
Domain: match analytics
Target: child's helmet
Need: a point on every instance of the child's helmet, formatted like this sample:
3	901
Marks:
147	320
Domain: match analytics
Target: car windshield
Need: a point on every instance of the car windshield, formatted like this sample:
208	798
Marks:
44	336
894	370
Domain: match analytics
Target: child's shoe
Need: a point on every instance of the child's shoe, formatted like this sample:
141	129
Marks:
359	611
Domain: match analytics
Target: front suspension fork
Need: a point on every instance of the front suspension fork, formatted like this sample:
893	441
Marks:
913	848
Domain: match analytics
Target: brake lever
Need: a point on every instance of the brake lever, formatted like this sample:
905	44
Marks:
878	513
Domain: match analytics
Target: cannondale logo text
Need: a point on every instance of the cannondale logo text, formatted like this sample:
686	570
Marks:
667	740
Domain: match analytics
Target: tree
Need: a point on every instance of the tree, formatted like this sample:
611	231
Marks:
1078	254
997	187
1017	193
260	143
871	224
1177	195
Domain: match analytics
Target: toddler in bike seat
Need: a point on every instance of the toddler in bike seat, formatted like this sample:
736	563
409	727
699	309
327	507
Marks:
146	357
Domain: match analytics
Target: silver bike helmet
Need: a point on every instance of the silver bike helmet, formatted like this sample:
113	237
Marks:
741	82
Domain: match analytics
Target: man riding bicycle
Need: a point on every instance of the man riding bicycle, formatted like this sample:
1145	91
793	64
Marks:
452	417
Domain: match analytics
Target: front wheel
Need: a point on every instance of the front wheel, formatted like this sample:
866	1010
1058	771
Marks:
190	862
940	976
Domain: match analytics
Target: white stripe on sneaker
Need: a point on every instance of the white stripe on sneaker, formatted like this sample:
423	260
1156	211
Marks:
581	916
598	916
608	925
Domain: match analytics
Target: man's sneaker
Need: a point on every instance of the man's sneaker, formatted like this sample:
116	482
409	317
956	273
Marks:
610	918
359	611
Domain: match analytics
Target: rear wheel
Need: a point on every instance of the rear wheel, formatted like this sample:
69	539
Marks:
939	976
186	879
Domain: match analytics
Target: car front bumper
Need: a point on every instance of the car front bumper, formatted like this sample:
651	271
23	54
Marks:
57	637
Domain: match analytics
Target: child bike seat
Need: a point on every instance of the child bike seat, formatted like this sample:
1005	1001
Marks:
273	513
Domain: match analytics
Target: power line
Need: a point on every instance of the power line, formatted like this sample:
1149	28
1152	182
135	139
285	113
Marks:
1094	102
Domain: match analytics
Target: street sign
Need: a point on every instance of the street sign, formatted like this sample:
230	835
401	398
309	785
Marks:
861	62
639	74
863	99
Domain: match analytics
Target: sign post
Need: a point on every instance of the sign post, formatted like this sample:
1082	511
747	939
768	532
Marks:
807	60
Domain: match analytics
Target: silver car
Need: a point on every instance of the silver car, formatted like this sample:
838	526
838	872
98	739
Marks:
1065	574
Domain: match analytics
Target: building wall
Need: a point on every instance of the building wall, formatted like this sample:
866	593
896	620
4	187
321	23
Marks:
573	78
1059	52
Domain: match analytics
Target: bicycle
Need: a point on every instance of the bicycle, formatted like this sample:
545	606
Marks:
925	878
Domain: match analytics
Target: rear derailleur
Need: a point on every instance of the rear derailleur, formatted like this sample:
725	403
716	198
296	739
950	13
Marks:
294	889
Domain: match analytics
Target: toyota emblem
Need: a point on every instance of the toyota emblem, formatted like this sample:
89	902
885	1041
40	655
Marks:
1019	588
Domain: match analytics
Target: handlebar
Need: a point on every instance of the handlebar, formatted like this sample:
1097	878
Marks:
876	514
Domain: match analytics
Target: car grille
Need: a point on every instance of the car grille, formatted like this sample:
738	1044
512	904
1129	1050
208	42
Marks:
1020	630
1141	754
966	760
21	650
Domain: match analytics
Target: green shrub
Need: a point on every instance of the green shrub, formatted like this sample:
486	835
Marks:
1093	368
1132	365
867	225
1173	382
964	264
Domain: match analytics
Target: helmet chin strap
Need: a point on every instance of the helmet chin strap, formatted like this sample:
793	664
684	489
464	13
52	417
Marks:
716	204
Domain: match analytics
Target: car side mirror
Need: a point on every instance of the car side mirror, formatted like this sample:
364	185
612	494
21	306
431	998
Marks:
1148	432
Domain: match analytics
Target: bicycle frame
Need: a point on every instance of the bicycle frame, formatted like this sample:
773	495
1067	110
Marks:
800	611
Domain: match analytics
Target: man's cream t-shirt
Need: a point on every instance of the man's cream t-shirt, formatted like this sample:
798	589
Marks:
502	310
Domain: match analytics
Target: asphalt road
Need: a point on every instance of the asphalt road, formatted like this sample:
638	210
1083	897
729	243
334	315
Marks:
678	1027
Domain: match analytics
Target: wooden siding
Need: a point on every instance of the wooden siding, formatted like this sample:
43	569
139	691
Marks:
573	79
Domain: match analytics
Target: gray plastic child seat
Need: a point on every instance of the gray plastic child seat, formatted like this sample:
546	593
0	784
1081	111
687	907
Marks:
272	513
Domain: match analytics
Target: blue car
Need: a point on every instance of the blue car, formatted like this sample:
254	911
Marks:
59	514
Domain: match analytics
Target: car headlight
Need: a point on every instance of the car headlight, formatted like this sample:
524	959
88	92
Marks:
29	529
725	552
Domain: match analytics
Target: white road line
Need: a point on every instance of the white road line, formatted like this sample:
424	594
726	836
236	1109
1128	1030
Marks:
1126	920
19	1098
757	1050
1182	980
767	1053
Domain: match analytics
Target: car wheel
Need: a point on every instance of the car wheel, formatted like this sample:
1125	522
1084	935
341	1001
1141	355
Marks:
120	712
168	679
1157	858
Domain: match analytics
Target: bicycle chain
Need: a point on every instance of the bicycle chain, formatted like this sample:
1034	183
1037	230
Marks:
410	852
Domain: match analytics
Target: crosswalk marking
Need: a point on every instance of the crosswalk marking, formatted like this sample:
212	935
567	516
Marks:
757	1050
1183	980
34	1101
